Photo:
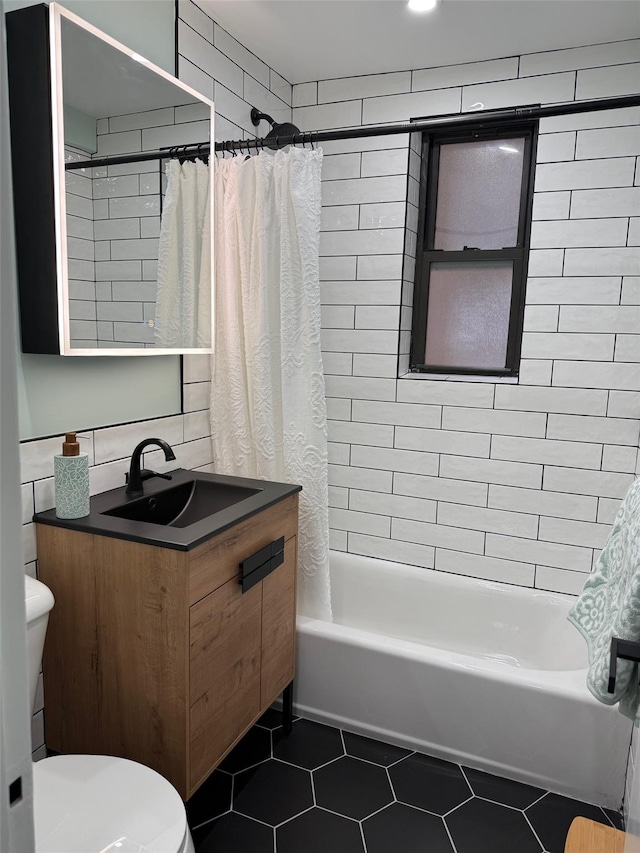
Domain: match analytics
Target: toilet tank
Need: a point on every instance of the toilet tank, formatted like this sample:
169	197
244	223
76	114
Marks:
39	601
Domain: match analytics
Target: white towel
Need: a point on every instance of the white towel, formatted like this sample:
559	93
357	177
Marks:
609	606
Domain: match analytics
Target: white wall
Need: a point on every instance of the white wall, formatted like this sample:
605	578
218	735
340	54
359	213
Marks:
515	482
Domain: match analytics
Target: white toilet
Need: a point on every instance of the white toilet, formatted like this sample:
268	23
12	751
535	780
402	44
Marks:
97	803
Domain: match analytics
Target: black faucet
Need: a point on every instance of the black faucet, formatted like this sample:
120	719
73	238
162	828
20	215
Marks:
136	477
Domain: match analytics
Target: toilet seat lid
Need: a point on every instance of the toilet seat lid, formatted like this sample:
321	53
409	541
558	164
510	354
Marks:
102	804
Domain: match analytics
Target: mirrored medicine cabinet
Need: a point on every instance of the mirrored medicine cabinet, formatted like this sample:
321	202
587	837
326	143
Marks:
91	282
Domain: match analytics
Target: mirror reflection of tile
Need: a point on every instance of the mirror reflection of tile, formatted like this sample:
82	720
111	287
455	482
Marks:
114	212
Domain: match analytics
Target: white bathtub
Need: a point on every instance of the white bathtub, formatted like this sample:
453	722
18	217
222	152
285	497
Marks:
484	674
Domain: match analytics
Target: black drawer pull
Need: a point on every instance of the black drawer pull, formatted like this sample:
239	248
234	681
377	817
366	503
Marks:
263	562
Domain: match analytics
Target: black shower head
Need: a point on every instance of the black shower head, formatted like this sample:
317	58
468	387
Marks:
277	130
280	130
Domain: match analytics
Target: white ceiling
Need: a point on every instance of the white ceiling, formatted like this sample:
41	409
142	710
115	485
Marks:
316	39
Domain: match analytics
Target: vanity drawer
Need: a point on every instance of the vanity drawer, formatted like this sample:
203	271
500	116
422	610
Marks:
217	561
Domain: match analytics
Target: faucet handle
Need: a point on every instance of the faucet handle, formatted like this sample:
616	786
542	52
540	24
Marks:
147	474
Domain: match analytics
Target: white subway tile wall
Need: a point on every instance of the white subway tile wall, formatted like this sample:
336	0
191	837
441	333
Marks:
127	205
114	225
517	483
81	249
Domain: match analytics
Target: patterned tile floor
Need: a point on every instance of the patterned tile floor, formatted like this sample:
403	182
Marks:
323	790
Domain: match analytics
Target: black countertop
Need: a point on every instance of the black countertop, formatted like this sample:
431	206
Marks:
165	536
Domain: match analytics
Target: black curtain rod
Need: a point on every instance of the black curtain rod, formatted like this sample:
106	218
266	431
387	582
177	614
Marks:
445	122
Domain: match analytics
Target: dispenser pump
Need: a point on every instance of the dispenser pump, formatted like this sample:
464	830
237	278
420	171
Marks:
70	446
71	476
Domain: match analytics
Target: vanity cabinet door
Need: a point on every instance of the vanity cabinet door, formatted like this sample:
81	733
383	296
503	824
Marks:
279	626
225	640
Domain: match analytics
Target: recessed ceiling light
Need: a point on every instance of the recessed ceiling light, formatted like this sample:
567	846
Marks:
423	5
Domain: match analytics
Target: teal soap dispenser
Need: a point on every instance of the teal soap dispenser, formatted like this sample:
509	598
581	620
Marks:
71	473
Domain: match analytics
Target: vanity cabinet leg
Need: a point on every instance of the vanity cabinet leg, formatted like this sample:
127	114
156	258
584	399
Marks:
287	708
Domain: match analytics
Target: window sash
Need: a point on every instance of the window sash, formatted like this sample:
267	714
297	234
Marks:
433	159
419	338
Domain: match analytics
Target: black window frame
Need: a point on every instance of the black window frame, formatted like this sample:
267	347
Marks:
426	255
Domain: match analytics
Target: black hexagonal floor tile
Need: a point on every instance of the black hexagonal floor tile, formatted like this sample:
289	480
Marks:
272	792
309	745
254	747
271	719
405	829
352	787
552	815
373	750
212	799
616	818
479	826
318	831
233	833
429	783
501	790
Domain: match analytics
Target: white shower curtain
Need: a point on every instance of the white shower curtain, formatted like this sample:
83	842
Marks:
268	408
183	300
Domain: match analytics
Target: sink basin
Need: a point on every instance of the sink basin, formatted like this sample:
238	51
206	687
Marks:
182	505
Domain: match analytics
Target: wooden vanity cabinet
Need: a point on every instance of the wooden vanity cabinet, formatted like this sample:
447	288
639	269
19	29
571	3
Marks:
156	654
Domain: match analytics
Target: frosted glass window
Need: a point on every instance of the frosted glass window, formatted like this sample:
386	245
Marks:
468	315
478	200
